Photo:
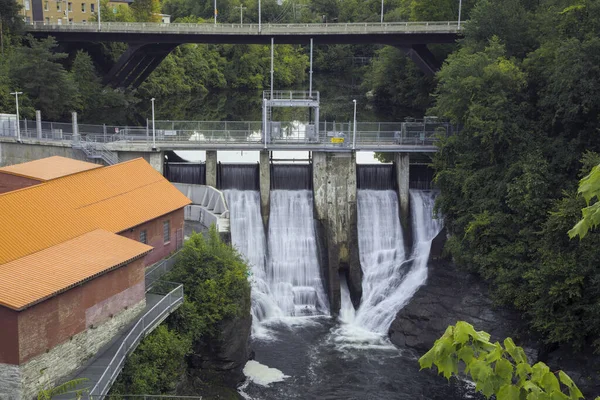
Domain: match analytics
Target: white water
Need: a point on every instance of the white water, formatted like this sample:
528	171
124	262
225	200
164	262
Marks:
248	236
390	279
293	270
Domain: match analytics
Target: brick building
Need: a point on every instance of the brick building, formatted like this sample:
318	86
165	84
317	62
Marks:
72	256
62	12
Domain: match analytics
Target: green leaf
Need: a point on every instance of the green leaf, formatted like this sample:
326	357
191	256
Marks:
512	349
566	379
495	354
463	331
426	361
508	392
504	369
523	370
538	372
549	383
466	354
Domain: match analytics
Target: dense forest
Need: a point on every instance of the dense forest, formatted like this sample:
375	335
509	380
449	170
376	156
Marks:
523	83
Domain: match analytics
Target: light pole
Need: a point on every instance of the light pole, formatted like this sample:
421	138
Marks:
153	126
242	8
459	11
354	135
382	11
216	12
259	16
17	107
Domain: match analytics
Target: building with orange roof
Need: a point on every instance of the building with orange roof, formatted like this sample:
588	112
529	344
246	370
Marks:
31	173
73	251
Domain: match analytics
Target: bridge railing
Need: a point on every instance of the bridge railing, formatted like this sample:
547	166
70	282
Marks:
173	297
253	29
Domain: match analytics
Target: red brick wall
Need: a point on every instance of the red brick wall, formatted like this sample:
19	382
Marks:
55	320
9	182
9	339
154	235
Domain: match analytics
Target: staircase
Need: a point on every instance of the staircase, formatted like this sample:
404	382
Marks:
96	150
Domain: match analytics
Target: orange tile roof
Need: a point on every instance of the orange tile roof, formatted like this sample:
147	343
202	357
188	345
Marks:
49	168
113	198
36	277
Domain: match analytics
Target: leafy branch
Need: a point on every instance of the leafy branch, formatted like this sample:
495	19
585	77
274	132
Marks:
66	388
589	188
503	371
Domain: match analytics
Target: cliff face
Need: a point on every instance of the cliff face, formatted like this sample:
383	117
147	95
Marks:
215	367
452	295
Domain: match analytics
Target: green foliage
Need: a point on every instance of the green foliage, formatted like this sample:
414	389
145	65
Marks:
69	387
157	365
215	279
589	188
36	70
146	10
503	371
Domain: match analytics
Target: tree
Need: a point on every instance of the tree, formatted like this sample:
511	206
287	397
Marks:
36	69
146	10
503	371
69	387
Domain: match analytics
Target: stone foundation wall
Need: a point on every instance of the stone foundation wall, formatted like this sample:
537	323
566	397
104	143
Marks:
49	369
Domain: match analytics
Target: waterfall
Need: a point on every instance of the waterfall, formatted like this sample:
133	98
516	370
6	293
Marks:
390	279
248	236
293	270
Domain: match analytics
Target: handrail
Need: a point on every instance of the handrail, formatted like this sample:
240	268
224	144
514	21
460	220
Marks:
156	271
147	322
254	29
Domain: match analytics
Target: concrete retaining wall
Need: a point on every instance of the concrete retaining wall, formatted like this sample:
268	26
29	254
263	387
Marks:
15	153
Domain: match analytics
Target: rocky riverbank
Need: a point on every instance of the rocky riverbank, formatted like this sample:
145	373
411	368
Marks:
452	295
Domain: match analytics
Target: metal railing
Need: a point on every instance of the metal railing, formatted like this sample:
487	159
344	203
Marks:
247	134
171	300
94	149
253	29
291	95
158	270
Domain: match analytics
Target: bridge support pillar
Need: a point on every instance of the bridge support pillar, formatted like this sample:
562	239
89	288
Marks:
211	168
334	185
402	166
265	188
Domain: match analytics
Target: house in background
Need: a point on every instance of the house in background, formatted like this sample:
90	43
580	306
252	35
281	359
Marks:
72	256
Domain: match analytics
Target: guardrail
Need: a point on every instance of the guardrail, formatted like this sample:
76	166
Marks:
245	134
158	270
253	29
145	397
172	299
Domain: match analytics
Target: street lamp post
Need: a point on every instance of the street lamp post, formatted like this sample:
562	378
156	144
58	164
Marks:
259	27
459	11
354	135
17	107
216	12
382	11
153	126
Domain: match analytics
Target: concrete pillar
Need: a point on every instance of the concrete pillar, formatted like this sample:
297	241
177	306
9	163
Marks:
402	165
265	188
38	123
157	160
334	186
75	127
211	168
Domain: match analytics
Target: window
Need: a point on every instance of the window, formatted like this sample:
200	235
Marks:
143	237
46	6
83	21
82	7
28	20
60	21
47	21
70	6
70	20
92	7
167	231
58	6
27	7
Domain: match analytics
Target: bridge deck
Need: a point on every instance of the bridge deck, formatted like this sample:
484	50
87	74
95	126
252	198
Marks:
386	33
